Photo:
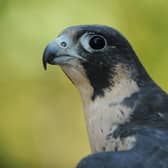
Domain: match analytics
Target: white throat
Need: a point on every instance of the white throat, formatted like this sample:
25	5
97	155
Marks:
104	114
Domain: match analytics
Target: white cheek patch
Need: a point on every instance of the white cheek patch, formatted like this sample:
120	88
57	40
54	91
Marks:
77	74
104	114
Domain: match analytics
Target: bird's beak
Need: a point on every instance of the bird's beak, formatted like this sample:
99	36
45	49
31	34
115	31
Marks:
55	55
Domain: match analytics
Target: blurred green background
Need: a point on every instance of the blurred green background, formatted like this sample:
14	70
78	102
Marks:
41	119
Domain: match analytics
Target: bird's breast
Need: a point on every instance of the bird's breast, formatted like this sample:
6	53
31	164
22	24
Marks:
103	118
103	122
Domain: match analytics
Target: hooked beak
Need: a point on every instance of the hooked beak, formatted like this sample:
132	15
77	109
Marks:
55	55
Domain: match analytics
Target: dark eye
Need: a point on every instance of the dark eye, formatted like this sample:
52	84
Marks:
97	42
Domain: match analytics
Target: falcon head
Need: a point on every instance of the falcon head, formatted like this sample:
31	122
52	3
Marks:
95	58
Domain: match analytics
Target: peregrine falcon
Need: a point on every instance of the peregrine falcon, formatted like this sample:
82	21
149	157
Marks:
125	110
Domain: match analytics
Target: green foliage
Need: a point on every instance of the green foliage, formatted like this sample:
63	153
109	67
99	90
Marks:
42	124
